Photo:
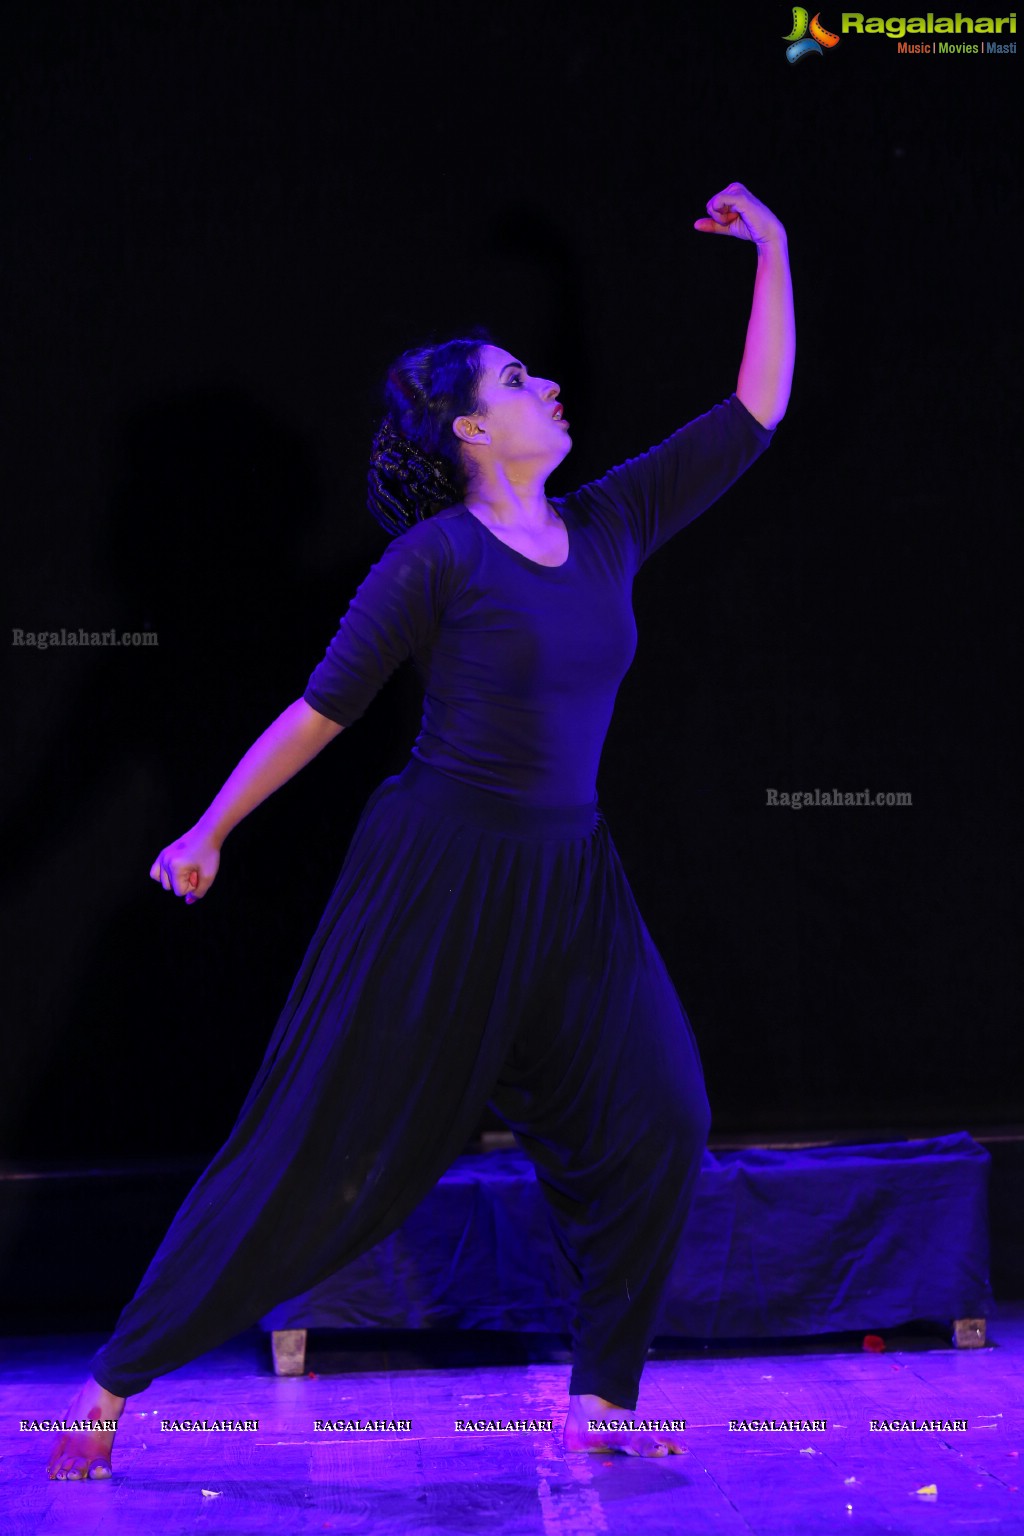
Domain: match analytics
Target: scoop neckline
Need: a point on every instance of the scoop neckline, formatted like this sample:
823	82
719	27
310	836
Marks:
533	565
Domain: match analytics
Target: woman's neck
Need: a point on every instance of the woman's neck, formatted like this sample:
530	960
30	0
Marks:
509	504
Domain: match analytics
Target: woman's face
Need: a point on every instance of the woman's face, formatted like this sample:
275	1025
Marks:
520	423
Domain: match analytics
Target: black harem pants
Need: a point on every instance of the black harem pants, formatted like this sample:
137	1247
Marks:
473	952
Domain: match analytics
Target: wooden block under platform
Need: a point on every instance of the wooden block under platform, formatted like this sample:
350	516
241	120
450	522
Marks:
969	1332
289	1349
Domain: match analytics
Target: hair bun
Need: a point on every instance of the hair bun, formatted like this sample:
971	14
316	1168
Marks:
416	464
406	485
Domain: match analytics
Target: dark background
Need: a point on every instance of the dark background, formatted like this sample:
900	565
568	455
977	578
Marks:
222	221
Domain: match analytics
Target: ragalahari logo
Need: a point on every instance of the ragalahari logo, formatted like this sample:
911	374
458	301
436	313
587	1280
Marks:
799	43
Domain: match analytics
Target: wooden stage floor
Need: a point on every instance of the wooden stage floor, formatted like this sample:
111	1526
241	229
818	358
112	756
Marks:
432	1478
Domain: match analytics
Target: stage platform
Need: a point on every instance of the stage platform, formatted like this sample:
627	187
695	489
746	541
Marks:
798	1241
435	1479
780	1242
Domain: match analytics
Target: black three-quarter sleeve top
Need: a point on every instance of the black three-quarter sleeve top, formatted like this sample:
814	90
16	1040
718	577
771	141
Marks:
520	662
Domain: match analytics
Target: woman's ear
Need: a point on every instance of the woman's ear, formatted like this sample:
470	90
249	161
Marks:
469	431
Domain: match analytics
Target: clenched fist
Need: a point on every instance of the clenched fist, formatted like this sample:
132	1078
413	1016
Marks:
188	867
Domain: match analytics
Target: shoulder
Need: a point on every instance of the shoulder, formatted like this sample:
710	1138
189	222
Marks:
643	500
435	551
721	432
448	536
433	538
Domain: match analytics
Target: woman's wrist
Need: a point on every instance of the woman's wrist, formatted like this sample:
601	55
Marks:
211	830
776	240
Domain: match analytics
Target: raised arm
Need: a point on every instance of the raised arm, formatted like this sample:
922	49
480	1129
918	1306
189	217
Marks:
766	371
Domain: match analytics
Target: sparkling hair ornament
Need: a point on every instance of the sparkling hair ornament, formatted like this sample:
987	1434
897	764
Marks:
416	464
405	484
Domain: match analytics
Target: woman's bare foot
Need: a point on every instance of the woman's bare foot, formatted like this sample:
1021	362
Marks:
79	1454
589	1409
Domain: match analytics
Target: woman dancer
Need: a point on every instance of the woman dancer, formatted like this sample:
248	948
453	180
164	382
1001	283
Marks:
482	944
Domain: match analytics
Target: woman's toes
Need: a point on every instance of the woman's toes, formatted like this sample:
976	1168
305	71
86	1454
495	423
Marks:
76	1469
